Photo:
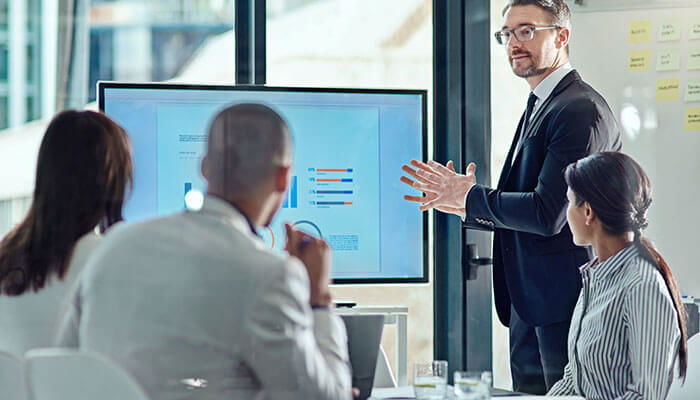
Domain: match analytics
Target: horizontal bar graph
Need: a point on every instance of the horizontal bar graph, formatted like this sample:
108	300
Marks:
334	180
332	187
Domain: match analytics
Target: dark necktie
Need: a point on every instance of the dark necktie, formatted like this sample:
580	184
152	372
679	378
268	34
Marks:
526	123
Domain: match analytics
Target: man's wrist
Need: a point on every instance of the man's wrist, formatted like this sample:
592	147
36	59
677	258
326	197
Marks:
321	300
466	196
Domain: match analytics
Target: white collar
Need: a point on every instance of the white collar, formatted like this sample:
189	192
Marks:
546	87
222	210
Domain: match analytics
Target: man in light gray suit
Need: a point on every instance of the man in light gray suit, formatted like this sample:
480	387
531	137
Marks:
195	306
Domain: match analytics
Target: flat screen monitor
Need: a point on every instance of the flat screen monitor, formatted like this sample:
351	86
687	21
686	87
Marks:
349	145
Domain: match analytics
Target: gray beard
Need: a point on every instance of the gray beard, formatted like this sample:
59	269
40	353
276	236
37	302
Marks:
530	72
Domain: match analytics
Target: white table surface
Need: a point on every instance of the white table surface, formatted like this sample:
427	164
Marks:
406	392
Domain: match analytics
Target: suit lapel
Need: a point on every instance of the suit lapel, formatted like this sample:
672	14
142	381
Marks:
563	84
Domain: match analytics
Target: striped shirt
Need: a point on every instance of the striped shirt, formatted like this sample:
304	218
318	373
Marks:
624	334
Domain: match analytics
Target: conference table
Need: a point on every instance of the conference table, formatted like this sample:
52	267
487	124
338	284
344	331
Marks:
406	392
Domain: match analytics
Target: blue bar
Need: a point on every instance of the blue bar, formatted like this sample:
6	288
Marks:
188	187
290	200
334	192
349	169
347	180
330	203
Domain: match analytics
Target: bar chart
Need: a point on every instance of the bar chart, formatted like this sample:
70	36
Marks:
332	187
291	200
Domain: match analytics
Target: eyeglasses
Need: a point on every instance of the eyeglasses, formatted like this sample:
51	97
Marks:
523	33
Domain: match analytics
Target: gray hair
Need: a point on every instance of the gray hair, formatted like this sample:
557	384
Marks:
246	143
561	15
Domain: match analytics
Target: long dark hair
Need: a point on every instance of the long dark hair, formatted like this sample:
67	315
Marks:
619	193
82	175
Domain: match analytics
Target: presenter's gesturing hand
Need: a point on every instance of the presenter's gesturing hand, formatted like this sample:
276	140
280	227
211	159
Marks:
443	188
315	254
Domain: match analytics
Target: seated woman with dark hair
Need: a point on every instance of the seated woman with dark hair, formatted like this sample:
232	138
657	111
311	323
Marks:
83	171
628	328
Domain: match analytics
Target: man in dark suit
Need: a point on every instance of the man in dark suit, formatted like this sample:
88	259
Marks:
536	277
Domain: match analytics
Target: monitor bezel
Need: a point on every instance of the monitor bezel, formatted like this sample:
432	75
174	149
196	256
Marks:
102	85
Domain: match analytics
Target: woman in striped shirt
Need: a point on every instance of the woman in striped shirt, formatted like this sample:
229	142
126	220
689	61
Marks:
628	328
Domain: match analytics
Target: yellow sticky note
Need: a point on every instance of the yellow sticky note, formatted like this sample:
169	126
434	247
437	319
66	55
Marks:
639	61
694	31
640	32
692	119
667	90
670	31
692	90
668	60
694	59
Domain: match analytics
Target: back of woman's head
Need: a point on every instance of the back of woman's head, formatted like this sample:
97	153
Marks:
617	189
82	175
619	192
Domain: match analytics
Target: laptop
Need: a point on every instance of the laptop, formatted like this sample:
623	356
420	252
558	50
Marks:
364	337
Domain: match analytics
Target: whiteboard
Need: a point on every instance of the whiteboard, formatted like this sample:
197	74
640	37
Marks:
654	132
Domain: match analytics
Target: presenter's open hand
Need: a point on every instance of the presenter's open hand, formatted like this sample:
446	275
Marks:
315	254
443	188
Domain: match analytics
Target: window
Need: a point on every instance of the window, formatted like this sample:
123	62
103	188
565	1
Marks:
20	55
125	40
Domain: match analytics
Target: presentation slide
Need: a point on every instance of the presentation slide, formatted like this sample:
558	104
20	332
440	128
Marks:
344	184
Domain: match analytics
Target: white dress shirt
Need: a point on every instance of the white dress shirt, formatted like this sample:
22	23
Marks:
194	306
31	319
547	86
624	336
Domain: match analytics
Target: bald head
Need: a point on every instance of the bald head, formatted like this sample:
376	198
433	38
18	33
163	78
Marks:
247	143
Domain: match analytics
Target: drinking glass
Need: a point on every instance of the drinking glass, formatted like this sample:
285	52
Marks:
430	380
472	385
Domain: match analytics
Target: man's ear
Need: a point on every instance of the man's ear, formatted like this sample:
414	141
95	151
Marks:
204	167
563	37
282	178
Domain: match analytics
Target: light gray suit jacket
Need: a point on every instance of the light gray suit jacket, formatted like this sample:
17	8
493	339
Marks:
195	307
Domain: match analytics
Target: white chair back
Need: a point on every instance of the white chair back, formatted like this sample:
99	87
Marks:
60	374
12	383
691	389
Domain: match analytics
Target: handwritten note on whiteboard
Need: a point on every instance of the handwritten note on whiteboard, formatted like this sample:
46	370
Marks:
668	60
692	119
694	59
692	91
667	90
670	31
639	61
694	31
640	32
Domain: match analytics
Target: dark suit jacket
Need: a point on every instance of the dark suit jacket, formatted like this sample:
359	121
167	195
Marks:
535	262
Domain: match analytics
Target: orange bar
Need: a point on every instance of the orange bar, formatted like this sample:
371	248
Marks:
329	180
348	202
332	170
